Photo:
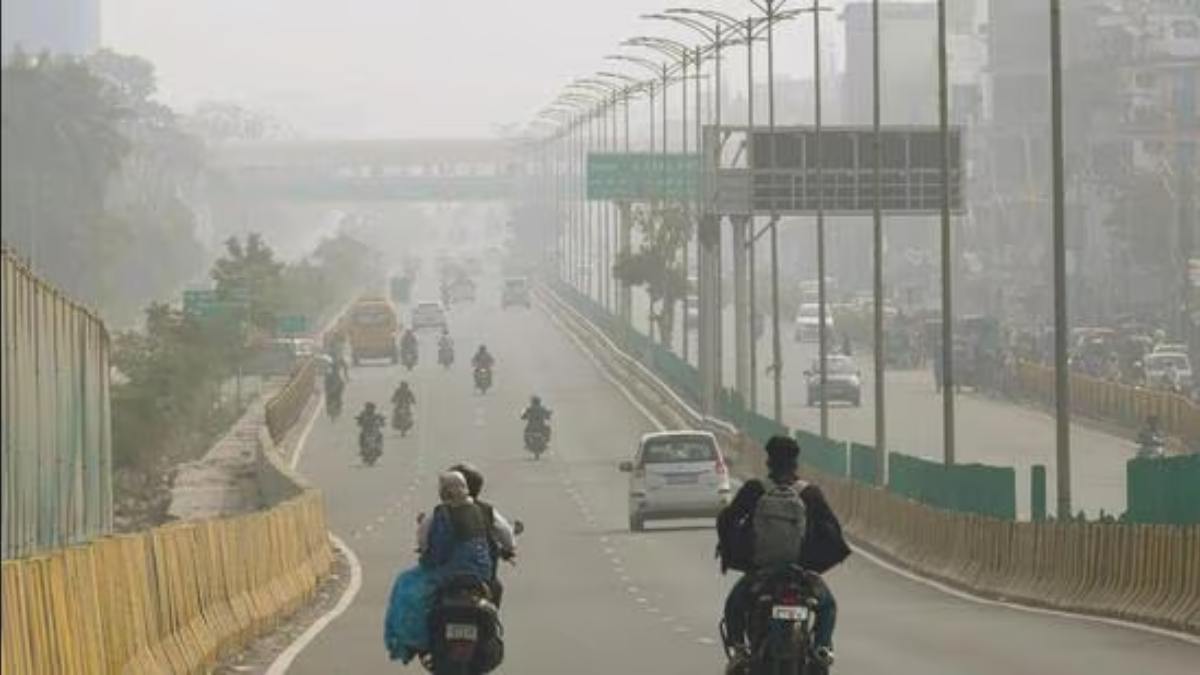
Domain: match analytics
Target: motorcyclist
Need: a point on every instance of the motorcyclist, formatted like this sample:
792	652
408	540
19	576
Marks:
403	396
408	342
368	421
822	548
444	340
502	538
453	541
483	359
536	416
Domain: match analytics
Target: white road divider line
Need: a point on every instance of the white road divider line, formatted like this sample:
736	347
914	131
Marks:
284	661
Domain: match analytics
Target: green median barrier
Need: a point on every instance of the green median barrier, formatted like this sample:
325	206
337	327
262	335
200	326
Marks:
1163	490
964	488
864	463
761	428
823	454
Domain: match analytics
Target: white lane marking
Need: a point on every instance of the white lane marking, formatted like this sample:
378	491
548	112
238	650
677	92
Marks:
653	419
284	661
963	595
682	629
706	641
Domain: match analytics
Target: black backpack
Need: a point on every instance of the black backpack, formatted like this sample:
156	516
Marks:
735	529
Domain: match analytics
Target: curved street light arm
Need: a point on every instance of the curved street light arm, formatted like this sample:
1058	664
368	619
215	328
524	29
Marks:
720	17
704	29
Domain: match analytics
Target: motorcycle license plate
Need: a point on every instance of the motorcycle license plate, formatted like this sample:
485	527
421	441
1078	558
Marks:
789	613
461	631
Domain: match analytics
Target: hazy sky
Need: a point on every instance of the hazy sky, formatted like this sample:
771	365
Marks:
411	68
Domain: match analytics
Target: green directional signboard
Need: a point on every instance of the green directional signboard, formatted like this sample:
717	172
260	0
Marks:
205	304
642	176
292	324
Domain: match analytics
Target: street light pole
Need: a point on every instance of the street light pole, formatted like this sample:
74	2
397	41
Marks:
877	233
1062	389
947	250
822	338
776	347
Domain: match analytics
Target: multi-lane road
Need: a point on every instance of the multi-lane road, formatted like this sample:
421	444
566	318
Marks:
587	596
989	430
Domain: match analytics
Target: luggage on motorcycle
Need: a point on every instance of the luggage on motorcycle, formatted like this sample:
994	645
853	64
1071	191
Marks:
780	520
735	540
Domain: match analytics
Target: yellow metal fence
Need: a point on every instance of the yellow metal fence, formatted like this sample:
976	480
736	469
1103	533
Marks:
1114	401
170	600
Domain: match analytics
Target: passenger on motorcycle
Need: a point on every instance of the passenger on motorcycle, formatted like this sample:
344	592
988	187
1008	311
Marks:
502	538
536	416
483	360
821	547
453	541
445	341
403	396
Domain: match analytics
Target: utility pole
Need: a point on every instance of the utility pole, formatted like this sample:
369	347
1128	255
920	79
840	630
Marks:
1062	389
822	338
877	232
947	247
776	347
751	239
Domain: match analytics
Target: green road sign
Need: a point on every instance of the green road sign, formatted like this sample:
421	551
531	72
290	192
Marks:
292	324
205	304
642	176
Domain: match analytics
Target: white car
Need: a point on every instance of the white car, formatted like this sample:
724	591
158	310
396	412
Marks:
808	321
676	474
428	315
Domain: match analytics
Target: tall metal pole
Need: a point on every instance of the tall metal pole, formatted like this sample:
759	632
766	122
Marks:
751	239
822	338
947	248
776	347
877	232
1062	389
687	215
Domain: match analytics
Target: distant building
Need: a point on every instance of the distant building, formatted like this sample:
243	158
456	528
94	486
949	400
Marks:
59	26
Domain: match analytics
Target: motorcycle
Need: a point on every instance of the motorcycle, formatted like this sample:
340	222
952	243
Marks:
780	626
333	402
537	439
446	356
409	358
466	636
483	379
370	445
402	419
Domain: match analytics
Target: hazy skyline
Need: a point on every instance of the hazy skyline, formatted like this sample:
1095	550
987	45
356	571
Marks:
367	68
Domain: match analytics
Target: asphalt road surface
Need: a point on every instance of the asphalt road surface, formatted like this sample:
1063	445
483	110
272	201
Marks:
587	596
989	430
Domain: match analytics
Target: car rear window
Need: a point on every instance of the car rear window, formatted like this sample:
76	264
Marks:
666	451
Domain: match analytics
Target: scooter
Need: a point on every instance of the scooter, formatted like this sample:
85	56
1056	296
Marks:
370	445
483	380
446	356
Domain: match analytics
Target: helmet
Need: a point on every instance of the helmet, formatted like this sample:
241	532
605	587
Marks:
473	475
535	400
369	407
483	348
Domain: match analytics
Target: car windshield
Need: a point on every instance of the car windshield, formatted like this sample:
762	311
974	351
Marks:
428	308
673	450
836	366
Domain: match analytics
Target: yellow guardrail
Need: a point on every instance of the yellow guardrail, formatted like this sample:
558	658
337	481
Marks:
170	600
1114	401
1144	573
285	408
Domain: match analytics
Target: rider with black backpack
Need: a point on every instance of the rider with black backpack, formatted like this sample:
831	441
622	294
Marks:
779	521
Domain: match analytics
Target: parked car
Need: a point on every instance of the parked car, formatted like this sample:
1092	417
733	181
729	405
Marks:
676	474
428	314
515	292
843	381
